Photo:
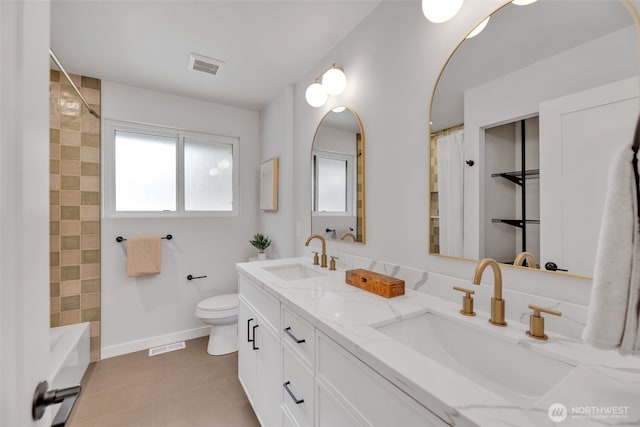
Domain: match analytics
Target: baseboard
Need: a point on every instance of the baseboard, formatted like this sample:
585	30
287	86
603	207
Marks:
133	346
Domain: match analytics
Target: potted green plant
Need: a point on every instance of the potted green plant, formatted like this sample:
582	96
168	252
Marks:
260	242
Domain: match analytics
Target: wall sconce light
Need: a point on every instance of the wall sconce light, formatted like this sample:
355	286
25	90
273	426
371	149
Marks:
333	82
438	11
316	94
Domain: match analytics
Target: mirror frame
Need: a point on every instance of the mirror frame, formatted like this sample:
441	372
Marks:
361	154
636	18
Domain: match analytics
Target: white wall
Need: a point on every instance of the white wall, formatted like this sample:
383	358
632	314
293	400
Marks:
392	61
499	194
276	122
141	312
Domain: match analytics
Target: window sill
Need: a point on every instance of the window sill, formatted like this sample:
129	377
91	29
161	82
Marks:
169	215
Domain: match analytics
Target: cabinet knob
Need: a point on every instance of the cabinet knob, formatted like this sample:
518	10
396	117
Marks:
467	301
536	321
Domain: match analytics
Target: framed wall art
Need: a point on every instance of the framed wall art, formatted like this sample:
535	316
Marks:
269	185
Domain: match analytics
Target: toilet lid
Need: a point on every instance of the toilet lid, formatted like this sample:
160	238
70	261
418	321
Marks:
219	302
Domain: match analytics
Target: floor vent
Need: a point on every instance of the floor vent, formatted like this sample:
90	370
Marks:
204	64
166	348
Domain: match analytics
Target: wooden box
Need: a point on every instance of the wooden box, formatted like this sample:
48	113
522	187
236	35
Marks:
379	284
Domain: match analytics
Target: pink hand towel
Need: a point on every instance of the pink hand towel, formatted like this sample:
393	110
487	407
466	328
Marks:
143	255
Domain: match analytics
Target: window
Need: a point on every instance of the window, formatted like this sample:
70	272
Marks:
153	171
332	183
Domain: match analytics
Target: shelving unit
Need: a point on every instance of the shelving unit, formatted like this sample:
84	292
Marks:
520	178
515	222
516	176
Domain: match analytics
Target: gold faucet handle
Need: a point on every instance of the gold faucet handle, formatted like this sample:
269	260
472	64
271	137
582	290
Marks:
316	260
332	263
467	301
537	310
536	321
465	290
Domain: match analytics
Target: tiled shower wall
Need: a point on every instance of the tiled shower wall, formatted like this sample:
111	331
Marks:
75	205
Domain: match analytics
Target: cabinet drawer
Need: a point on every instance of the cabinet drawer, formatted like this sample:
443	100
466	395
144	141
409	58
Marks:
299	334
287	418
297	393
363	389
331	412
262	302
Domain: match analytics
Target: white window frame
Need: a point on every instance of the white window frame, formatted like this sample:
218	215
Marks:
109	176
350	182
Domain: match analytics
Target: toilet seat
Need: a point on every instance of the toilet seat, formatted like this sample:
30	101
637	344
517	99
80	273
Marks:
219	306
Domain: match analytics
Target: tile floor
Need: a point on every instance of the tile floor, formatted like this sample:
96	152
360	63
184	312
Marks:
184	388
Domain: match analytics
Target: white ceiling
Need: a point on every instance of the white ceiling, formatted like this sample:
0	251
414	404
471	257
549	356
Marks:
265	44
517	36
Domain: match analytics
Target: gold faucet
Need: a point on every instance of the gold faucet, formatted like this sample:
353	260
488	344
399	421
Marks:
324	248
345	235
497	303
522	256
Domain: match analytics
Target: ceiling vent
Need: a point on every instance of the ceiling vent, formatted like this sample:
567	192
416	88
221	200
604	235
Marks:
204	64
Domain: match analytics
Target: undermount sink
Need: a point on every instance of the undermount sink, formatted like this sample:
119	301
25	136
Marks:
514	372
293	272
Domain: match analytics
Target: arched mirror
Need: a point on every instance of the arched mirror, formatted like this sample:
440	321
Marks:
525	120
337	177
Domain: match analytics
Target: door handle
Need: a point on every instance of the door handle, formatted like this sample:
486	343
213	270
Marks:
248	328
552	266
44	397
253	342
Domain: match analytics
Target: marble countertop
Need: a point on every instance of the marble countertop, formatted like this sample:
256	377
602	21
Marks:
602	389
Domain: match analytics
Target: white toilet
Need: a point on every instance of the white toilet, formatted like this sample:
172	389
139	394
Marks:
221	312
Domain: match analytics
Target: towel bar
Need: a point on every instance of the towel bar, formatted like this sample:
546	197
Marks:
121	239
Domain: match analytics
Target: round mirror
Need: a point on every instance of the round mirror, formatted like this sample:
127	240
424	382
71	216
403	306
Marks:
337	177
525	120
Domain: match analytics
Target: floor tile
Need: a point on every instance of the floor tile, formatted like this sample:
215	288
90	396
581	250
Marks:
201	406
116	399
137	417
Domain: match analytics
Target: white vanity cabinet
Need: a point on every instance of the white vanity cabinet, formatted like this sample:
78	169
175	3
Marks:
296	376
259	352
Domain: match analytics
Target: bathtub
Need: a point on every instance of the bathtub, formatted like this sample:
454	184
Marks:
69	356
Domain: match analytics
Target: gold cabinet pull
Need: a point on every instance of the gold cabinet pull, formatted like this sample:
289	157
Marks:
467	301
536	321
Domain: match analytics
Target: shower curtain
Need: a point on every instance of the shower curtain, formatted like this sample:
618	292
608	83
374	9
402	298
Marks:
451	192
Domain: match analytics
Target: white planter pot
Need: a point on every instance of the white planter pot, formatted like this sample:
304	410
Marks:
261	256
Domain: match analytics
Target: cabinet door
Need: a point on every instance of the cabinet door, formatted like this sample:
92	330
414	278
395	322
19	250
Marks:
269	376
246	353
